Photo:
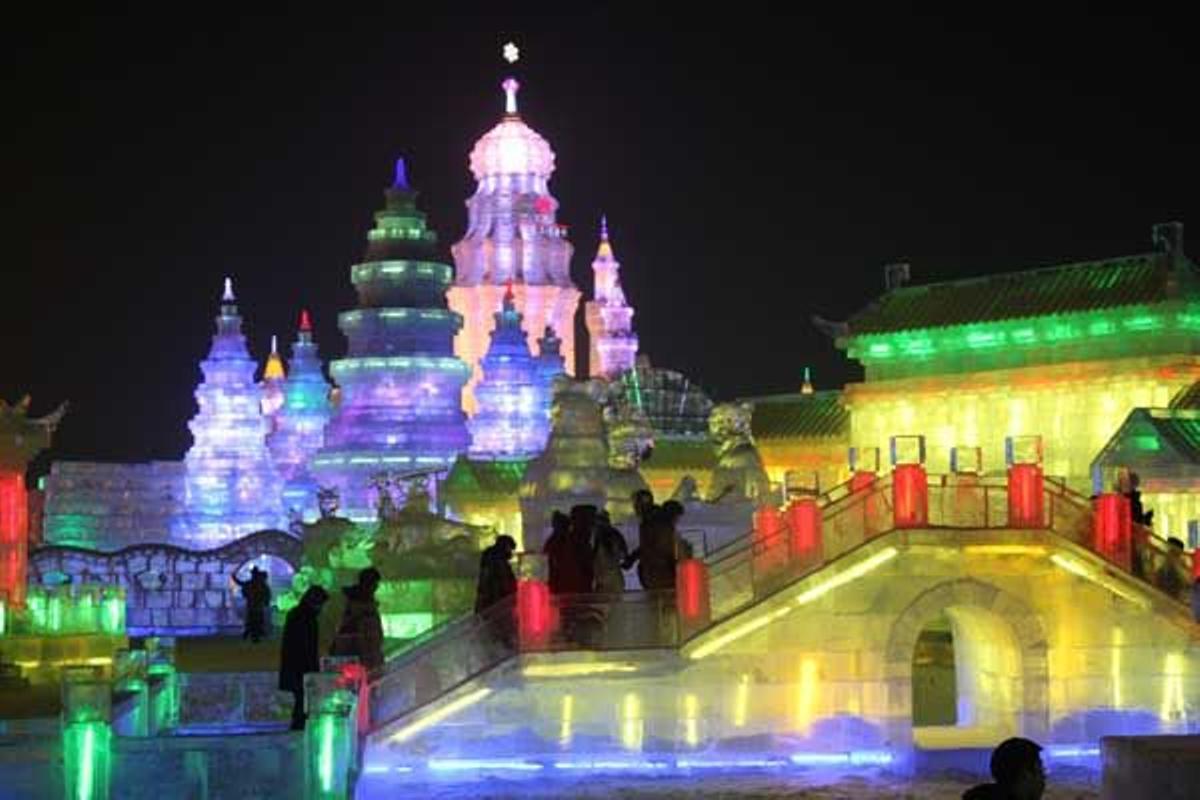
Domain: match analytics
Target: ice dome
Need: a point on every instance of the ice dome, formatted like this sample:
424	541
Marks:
512	147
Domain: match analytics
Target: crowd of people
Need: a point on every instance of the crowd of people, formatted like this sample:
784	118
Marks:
586	554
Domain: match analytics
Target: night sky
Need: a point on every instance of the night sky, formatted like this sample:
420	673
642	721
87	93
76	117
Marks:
753	176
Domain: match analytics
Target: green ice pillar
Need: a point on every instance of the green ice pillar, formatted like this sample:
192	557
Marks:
87	737
163	678
329	737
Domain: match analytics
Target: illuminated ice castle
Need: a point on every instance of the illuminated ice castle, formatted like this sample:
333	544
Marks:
298	426
613	344
512	239
401	384
231	487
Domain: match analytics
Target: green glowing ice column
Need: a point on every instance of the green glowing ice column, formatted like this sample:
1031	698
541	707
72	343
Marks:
164	685
87	737
329	737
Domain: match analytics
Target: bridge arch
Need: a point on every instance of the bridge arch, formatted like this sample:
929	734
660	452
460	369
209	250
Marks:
997	637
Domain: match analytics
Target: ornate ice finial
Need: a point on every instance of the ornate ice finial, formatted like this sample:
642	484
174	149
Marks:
806	387
511	52
401	180
604	227
510	87
508	296
228	296
305	322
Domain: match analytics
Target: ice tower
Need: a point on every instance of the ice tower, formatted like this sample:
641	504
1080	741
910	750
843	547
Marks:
613	344
401	385
299	429
512	238
512	420
231	487
273	377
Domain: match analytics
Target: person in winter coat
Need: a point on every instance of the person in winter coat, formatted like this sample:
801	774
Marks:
360	632
568	551
257	593
496	578
298	650
1017	769
610	551
660	548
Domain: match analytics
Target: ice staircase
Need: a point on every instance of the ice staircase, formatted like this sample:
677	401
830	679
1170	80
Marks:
768	574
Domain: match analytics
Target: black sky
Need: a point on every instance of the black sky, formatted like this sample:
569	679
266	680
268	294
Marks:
753	175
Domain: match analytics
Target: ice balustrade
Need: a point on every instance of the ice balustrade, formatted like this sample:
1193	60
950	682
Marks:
738	575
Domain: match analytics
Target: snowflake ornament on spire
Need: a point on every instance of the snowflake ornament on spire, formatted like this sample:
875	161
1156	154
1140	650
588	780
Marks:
511	53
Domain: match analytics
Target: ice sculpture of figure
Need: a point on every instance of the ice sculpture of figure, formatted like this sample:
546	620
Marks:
629	438
513	416
739	472
231	487
574	467
401	385
328	502
512	238
613	344
299	426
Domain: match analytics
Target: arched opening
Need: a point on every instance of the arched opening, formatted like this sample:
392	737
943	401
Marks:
967	680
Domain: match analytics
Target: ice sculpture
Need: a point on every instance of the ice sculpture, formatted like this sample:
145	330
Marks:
231	487
512	238
299	425
739	472
512	419
574	467
401	385
613	344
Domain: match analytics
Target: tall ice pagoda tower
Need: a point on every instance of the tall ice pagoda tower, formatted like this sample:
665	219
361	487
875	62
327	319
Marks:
613	345
512	238
401	384
299	424
231	487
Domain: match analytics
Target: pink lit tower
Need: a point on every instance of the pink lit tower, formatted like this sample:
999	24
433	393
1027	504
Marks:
512	238
613	344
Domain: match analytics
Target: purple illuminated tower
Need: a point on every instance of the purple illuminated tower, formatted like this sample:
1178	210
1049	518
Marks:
299	426
614	345
231	487
512	420
401	384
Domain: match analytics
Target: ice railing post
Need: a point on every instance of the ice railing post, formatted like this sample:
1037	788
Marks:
86	734
1026	484
330	743
964	498
910	486
536	616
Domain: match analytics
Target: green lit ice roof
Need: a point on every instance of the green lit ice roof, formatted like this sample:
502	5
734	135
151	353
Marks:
691	453
1071	288
800	416
1187	397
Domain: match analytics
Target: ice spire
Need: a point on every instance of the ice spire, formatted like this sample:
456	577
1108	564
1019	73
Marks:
228	295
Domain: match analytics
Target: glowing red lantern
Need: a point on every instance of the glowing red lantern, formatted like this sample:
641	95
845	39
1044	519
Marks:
910	496
1026	496
691	594
770	546
535	616
804	524
354	677
1112	529
14	532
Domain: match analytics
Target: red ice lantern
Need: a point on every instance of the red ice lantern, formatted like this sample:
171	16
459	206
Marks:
910	496
535	616
354	677
770	548
804	524
1026	496
1112	529
691	593
14	532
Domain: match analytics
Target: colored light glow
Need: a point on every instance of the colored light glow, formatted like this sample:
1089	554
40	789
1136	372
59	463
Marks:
1071	751
566	720
1118	642
14	532
632	724
691	719
602	765
712	645
858	758
846	576
1004	550
437	715
1174	706
806	694
741	701
325	758
87	764
577	670
1084	571
485	764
